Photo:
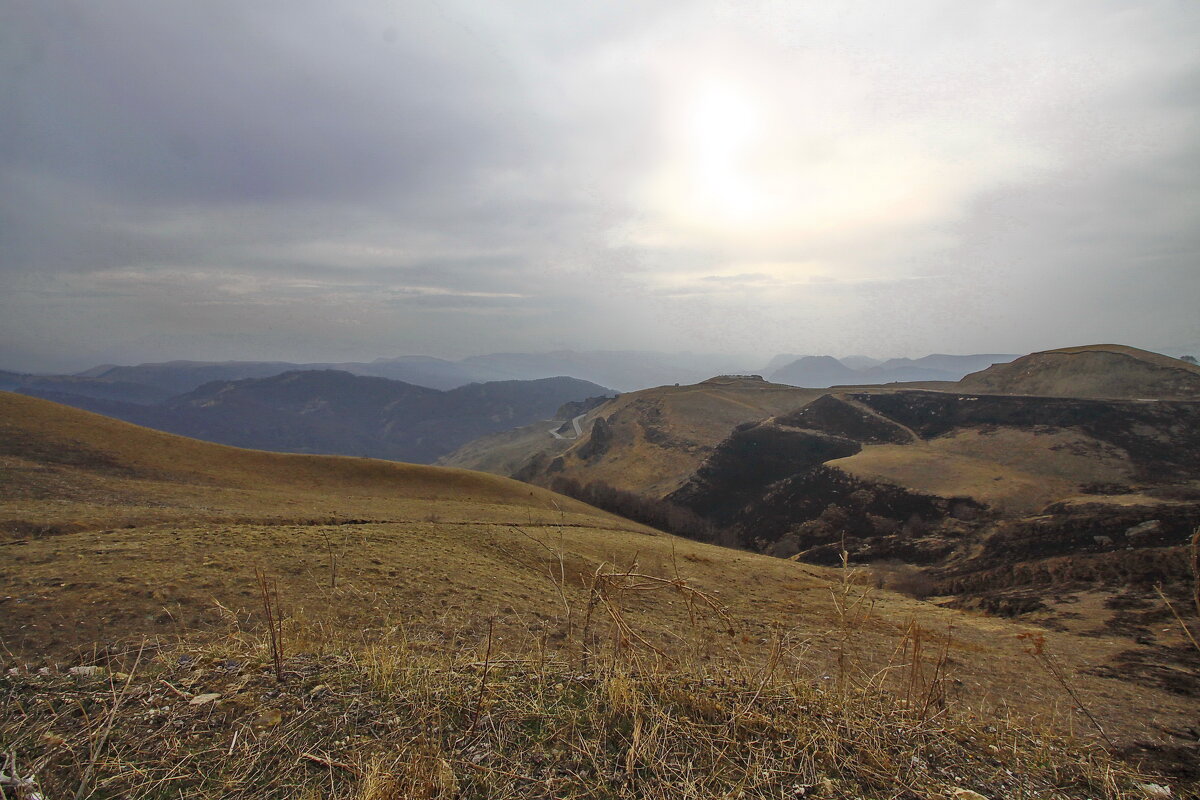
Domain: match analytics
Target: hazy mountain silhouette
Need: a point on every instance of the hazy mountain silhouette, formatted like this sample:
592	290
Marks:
334	412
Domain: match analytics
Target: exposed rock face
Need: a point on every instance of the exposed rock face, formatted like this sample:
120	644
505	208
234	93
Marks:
1112	371
598	443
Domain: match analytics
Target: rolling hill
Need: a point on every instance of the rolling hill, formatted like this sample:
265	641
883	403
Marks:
1103	370
112	533
1073	512
815	372
649	441
1067	511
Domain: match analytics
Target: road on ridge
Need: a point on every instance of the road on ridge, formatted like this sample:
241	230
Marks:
578	431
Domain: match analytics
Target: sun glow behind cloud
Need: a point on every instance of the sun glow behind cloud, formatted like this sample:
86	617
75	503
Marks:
722	130
786	158
458	176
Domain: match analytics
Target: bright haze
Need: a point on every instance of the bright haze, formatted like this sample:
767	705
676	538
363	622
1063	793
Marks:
326	181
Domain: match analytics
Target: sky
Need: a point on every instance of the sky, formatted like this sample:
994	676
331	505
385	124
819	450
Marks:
316	181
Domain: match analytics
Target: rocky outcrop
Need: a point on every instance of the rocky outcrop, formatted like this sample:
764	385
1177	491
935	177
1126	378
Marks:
598	442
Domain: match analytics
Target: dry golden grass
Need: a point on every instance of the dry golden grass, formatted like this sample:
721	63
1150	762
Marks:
1015	471
416	719
1102	370
116	534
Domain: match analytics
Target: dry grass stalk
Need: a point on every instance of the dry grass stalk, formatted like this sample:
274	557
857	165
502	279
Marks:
332	560
557	573
606	590
921	694
483	678
98	747
268	595
1037	649
1183	626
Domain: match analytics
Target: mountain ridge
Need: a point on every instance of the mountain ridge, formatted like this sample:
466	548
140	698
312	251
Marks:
823	372
334	412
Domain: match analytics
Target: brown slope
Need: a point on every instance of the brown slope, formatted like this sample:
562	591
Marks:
1102	370
114	532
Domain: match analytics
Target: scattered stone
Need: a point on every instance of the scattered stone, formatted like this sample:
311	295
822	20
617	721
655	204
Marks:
1155	790
1148	528
204	699
86	672
966	794
269	718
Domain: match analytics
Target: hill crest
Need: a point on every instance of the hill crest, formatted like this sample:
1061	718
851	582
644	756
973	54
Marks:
1099	371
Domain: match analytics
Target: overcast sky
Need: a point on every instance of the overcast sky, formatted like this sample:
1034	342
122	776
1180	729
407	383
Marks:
309	180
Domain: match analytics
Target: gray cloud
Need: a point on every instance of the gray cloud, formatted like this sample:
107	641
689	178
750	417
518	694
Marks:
308	180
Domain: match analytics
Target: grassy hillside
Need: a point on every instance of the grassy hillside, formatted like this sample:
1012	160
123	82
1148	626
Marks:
499	610
1102	370
654	438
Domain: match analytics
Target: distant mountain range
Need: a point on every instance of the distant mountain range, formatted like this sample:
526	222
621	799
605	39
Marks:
821	372
335	412
622	370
